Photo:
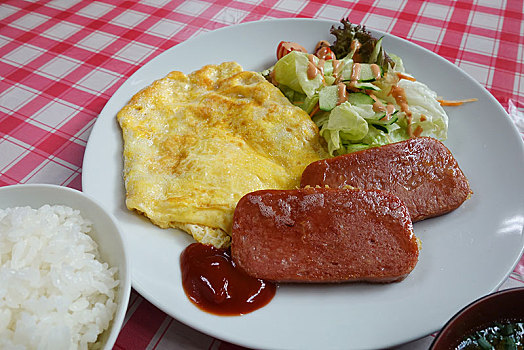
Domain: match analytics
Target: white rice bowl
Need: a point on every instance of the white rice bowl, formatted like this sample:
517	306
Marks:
56	291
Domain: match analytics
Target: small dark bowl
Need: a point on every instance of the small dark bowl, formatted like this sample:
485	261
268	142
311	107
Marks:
504	305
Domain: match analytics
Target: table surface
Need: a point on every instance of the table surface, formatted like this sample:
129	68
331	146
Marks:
61	60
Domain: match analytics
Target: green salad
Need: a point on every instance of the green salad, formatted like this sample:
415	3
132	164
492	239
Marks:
358	95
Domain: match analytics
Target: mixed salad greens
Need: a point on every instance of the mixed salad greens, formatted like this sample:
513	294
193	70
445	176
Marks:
358	95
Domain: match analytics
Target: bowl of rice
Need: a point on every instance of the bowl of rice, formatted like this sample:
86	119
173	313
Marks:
64	273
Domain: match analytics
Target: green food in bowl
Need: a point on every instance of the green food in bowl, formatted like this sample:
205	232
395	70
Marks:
495	321
499	335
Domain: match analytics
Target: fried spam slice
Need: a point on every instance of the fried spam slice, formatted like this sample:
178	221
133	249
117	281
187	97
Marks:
323	235
422	172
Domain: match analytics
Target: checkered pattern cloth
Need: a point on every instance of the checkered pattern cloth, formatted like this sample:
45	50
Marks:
61	60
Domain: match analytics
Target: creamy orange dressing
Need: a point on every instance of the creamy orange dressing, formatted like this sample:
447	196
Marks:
389	111
372	95
324	53
286	47
375	70
312	69
321	44
399	95
320	66
342	94
378	106
355	45
418	131
337	67
355	76
355	73
315	69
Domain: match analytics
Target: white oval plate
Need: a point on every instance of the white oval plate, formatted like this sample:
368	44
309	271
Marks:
465	254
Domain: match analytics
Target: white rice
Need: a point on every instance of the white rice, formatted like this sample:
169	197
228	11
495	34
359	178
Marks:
55	293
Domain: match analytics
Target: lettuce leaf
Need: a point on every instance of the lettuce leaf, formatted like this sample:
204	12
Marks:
426	111
345	124
291	71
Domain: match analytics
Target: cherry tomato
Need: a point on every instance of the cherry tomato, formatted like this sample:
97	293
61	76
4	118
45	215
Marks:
321	44
286	47
325	53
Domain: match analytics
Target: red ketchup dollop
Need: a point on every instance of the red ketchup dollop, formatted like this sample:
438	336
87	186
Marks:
214	283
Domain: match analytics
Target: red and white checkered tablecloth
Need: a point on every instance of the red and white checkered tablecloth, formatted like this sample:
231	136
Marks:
61	60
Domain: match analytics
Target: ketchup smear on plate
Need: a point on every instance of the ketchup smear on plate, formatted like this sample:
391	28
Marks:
214	283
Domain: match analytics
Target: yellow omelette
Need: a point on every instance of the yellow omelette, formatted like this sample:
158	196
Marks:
195	144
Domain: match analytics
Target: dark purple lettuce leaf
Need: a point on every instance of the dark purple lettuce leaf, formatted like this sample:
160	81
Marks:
367	53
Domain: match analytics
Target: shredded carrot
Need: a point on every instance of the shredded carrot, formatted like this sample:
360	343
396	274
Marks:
405	76
315	110
455	102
